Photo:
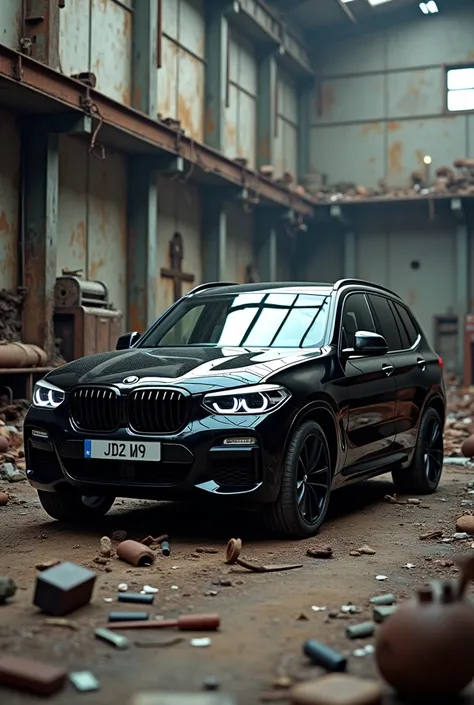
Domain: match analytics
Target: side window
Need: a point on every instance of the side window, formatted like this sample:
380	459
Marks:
386	323
408	323
355	316
401	328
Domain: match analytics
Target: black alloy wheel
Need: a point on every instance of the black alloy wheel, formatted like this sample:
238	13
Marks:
305	485
424	474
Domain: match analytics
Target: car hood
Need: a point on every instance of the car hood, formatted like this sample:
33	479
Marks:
193	368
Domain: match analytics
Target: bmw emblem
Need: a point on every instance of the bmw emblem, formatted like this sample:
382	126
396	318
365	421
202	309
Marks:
130	380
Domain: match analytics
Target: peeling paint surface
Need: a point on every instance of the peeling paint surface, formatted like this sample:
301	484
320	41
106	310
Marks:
9	200
179	210
92	220
181	76
241	112
240	231
96	35
286	148
10	23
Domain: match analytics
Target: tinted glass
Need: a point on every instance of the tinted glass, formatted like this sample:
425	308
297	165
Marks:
247	320
386	323
356	316
405	342
408	323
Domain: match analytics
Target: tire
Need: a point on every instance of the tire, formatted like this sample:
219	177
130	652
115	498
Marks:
286	517
424	474
70	506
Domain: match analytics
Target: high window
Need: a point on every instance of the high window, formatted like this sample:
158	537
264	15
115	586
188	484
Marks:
460	86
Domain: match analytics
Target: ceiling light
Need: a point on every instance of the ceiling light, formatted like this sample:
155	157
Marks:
429	8
374	3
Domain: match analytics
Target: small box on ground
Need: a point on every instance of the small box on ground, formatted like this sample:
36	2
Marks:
64	588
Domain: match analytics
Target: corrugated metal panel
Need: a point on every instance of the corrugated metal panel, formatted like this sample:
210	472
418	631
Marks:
286	148
365	143
470	135
348	57
413	93
10	22
320	256
339	99
9	195
240	253
241	112
181	76
395	251
179	210
93	216
96	35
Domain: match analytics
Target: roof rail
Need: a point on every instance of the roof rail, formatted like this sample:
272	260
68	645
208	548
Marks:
209	285
363	282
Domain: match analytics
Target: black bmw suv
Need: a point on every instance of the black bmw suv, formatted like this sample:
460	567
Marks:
268	395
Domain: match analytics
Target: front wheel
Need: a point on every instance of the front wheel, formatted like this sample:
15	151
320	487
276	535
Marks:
424	474
69	505
305	486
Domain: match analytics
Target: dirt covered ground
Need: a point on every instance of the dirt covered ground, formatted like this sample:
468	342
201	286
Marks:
265	617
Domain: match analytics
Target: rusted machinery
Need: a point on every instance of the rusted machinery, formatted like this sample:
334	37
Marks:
84	320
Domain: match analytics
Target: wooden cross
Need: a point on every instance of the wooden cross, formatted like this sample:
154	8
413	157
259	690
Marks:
175	271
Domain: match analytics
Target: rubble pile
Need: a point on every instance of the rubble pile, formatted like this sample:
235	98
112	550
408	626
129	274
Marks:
12	455
460	420
11	305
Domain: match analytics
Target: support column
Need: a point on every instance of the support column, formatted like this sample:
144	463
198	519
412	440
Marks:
41	27
350	258
462	277
141	244
145	58
266	109
266	241
216	77
215	240
304	131
40	161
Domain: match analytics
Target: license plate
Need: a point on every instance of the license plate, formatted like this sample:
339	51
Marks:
122	450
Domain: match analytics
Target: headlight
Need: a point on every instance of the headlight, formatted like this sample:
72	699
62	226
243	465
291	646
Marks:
259	399
47	396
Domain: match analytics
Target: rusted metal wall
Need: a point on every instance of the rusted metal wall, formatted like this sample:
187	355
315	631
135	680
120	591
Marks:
96	35
381	103
179	210
9	199
181	74
92	219
10	22
286	148
241	109
240	254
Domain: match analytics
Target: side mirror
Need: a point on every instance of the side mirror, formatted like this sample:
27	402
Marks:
126	340
367	344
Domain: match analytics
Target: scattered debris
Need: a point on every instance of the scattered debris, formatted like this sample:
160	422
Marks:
165	548
349	609
366	550
322	655
32	676
63	589
381	612
465	524
11	474
364	651
413	500
60	622
7	589
438	534
233	550
137	597
158	644
383	600
4	499
337	689
122	587
201	642
119	536
44	565
360	631
117	640
135	553
128	616
84	681
409	565
381	577
105	547
355	553
211	551
319	551
210	683
149	590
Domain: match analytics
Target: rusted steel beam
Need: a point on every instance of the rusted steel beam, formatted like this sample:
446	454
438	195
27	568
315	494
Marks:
145	56
267	109
217	76
41	165
145	131
41	28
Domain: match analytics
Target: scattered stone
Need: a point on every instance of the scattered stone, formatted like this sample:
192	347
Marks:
60	622
201	642
283	683
360	631
364	651
226	583
105	547
44	565
333	614
431	535
7	589
211	593
122	587
386	600
366	550
392	499
149	590
11	474
320	551
100	560
211	551
349	609
210	683
381	612
461	536
3	499
302	617
119	535
465	524
316	608
381	577
355	554
337	689
413	501
445	562
409	565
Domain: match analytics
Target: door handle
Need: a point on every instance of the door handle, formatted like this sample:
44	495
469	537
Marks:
388	369
421	363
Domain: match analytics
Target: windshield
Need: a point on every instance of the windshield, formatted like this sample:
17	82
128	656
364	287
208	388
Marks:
246	320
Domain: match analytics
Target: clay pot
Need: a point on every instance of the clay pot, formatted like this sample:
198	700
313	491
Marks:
135	553
425	648
467	448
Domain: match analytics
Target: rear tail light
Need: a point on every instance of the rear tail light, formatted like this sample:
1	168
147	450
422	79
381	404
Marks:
440	362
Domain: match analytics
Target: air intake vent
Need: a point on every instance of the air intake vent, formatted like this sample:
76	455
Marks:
158	410
95	409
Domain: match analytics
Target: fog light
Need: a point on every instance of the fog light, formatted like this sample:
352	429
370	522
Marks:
39	434
240	441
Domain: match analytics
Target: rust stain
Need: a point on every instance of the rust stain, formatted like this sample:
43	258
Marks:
263	149
420	156
137	97
372	161
393	126
371	127
395	157
230	135
328	98
470	56
135	312
78	236
210	125
4	224
95	268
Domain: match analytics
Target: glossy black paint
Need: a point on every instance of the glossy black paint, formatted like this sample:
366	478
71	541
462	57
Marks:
369	401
